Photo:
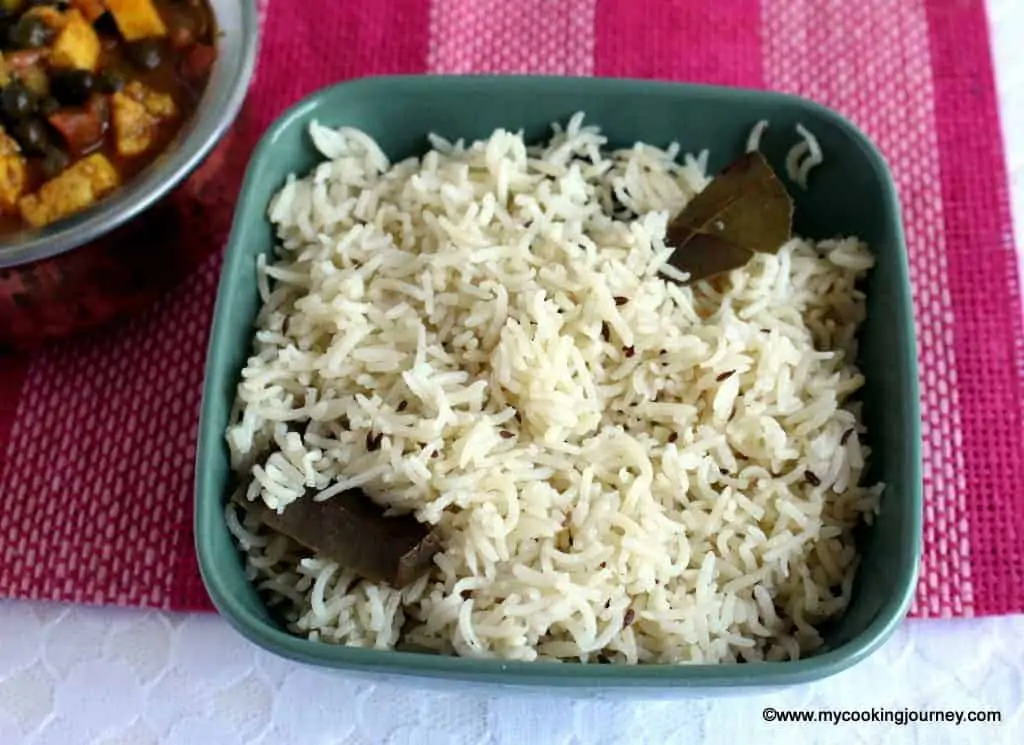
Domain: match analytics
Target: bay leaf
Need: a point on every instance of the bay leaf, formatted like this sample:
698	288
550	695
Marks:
708	255
352	529
745	209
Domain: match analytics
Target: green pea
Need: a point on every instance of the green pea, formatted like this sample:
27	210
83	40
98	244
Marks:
16	101
32	135
54	162
30	32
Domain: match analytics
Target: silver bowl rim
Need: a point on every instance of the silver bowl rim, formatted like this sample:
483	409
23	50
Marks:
214	115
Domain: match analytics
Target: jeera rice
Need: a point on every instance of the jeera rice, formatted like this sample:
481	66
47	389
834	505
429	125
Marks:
622	467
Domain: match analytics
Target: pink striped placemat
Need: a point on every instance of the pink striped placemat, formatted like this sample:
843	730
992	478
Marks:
97	434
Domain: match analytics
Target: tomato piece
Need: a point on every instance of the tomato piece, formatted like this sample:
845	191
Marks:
196	63
82	127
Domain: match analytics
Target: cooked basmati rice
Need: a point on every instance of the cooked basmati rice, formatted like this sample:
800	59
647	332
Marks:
756	133
622	468
803	156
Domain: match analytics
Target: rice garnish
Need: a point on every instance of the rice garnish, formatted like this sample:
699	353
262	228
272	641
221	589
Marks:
803	157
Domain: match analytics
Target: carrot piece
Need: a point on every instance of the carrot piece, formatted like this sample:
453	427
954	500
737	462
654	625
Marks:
137	19
82	127
49	15
196	63
91	9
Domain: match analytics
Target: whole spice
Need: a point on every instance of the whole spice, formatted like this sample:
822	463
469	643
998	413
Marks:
812	478
745	209
352	529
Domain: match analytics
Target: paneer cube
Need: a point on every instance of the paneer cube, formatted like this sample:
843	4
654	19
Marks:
13	173
78	187
91	9
160	105
137	19
138	112
133	125
77	45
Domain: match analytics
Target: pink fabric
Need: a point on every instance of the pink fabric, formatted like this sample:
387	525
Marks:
698	42
892	96
496	36
96	461
987	333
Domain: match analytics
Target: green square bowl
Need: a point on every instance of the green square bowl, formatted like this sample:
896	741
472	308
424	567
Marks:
852	193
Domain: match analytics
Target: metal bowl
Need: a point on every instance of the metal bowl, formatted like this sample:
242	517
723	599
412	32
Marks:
238	25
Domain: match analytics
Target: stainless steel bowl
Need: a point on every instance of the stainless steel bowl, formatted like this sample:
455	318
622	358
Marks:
238	24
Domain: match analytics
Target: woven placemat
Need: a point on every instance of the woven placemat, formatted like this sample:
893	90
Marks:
97	434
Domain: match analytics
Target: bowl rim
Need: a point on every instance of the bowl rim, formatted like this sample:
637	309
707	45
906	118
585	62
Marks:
531	674
213	117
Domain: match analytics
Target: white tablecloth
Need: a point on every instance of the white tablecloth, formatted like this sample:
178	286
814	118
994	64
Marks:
72	675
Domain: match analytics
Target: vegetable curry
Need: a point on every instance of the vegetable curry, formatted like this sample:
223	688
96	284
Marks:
91	92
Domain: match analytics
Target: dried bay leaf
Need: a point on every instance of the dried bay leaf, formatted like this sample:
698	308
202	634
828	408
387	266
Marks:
707	255
745	204
745	209
351	529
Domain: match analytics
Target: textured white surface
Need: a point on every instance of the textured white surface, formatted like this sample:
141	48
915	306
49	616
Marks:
71	675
